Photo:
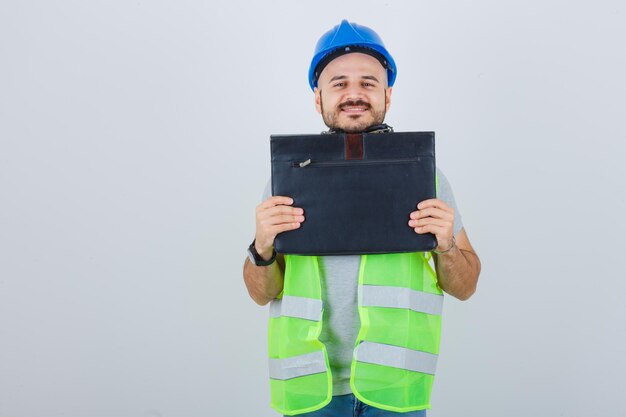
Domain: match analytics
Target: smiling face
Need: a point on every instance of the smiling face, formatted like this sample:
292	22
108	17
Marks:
352	93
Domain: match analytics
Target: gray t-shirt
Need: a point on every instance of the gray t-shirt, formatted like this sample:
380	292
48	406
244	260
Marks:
340	322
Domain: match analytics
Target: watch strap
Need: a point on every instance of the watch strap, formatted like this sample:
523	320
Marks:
257	259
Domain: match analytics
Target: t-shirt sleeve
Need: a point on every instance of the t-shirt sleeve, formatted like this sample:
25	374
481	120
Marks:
445	194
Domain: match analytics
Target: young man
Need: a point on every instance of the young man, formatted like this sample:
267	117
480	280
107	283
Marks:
325	374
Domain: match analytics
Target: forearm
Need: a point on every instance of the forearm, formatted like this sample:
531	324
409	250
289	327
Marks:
457	272
275	215
264	283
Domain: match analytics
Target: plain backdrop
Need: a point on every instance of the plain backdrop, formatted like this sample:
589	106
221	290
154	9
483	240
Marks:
134	147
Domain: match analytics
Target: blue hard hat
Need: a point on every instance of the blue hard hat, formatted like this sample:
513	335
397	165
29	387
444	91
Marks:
345	38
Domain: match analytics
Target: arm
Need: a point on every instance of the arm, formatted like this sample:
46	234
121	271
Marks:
273	216
458	265
264	283
458	269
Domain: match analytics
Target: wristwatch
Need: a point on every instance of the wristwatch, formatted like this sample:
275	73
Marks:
256	259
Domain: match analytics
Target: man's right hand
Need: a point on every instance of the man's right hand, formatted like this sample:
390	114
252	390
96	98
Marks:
273	216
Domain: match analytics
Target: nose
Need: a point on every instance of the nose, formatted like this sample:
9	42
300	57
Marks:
354	92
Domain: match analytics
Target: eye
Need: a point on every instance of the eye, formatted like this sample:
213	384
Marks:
339	84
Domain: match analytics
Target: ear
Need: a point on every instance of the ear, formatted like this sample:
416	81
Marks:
387	98
318	99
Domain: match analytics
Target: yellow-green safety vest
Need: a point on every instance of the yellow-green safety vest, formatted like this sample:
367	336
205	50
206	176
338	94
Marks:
395	354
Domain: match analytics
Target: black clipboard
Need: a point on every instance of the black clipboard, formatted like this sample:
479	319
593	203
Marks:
357	190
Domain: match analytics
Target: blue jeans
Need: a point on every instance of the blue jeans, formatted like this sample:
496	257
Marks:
350	406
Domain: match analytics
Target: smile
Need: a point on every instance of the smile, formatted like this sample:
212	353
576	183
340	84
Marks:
354	109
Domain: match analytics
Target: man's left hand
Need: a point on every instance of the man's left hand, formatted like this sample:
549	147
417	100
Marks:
436	217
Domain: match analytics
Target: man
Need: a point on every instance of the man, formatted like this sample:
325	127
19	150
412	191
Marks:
352	75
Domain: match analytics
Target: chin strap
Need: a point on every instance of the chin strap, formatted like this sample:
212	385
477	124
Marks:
381	128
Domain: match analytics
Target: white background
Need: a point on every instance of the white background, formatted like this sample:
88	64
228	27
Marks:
134	148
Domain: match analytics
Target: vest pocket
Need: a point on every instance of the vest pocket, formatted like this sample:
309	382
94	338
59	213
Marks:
391	388
300	383
301	395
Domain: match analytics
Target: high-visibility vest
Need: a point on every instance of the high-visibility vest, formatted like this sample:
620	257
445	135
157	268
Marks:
395	355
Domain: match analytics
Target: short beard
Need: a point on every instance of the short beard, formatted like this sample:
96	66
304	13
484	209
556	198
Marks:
330	118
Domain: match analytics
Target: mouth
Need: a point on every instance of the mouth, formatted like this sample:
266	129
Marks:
354	108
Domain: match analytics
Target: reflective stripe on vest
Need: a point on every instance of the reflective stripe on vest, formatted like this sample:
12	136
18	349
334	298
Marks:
298	307
296	366
400	297
396	357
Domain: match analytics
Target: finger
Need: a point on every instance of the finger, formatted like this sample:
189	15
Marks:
280	210
430	228
431	220
284	228
274	201
282	219
433	202
432	212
